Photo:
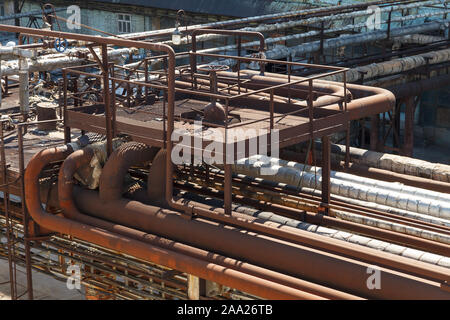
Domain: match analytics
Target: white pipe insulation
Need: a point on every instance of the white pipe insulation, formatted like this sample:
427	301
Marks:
365	189
332	19
395	163
349	237
281	51
57	61
393	66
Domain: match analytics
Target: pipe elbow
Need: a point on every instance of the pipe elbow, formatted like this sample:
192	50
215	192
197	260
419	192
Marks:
113	174
32	173
65	180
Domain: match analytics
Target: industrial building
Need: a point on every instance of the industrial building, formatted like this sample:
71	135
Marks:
225	150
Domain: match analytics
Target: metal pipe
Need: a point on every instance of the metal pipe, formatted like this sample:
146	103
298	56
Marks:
113	173
147	252
86	203
366	100
280	52
304	12
376	173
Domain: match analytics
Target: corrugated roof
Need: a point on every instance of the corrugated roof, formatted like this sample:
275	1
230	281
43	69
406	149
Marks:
234	8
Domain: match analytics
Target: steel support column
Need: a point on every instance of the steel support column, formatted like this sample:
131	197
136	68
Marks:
408	144
326	168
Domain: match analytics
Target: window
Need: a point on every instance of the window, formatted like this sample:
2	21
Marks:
2	8
124	23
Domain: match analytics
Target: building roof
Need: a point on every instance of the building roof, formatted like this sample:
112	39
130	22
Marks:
233	8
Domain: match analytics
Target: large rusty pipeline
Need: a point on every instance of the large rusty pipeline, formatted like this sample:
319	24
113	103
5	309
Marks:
207	234
82	157
139	249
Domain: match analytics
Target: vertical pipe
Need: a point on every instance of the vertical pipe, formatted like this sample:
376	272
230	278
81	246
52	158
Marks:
228	188
347	136
67	137
326	169
1	84
374	123
146	79
271	110
408	145
106	98
310	108
12	279
24	95
113	103
25	217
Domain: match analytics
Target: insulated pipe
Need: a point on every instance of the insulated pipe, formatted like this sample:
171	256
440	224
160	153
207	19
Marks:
393	66
113	173
82	157
396	163
280	52
24	94
343	235
84	202
356	188
247	20
267	27
147	252
299	36
357	180
411	235
419	39
375	173
57	61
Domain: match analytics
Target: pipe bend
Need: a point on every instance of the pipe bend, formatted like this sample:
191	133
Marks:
32	172
139	249
65	180
113	173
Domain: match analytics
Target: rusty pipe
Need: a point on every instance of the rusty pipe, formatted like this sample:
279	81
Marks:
216	258
113	173
366	101
139	215
147	252
326	93
205	234
65	194
295	260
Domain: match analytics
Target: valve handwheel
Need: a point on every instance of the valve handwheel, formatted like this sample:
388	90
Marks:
61	45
